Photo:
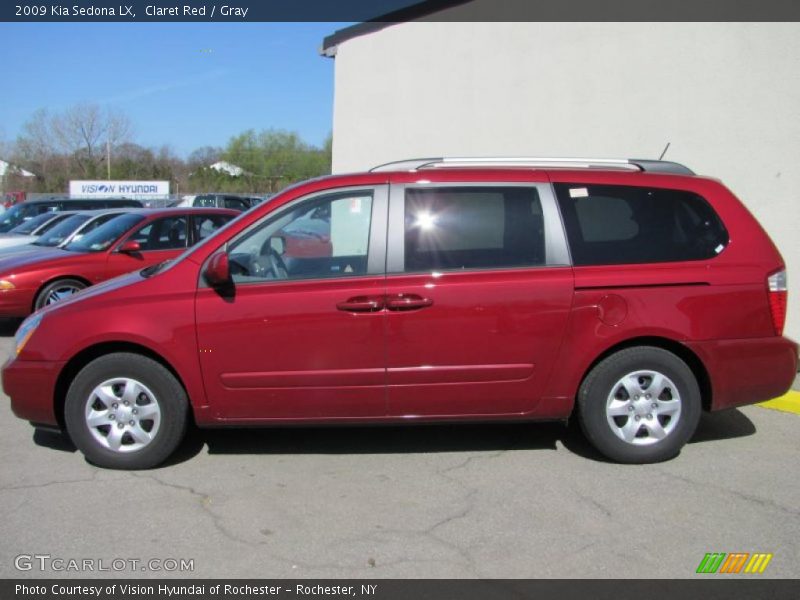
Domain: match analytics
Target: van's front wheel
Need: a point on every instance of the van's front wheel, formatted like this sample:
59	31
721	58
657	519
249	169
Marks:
126	411
640	405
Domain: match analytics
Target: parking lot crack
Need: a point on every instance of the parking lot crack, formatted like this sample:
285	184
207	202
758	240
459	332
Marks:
467	500
763	502
469	460
204	504
592	502
35	486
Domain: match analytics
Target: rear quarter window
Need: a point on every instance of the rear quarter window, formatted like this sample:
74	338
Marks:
610	225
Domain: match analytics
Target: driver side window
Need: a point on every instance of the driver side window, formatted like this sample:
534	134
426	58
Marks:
325	237
168	233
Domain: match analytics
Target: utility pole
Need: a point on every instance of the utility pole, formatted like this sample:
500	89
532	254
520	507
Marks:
108	157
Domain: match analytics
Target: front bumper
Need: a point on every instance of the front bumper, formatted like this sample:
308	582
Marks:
16	303
749	370
31	386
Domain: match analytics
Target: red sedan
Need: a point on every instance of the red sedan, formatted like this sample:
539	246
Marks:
129	242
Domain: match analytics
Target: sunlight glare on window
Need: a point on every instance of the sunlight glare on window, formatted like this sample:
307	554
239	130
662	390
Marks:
425	221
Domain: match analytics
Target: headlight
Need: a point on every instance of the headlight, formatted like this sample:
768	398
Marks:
6	285
25	332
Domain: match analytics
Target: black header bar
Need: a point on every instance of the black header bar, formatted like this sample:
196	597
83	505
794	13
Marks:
394	11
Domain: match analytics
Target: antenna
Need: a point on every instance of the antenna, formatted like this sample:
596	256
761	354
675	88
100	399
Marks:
664	152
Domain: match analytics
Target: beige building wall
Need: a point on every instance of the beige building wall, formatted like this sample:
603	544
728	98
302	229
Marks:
725	95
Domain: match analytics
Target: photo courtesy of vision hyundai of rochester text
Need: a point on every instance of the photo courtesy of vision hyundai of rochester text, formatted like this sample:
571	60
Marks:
629	295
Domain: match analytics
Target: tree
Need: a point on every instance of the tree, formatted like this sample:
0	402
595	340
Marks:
75	142
273	159
203	157
86	132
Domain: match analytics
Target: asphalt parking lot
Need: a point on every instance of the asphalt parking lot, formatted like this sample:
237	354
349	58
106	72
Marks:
438	501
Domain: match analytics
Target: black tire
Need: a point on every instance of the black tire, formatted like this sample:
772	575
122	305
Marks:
640	423
55	286
156	387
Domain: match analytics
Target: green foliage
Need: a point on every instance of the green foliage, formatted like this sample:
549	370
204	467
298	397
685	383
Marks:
273	159
50	147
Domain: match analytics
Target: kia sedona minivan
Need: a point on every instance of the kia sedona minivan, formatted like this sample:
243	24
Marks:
627	294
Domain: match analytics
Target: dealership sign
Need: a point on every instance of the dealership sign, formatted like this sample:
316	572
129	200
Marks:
125	189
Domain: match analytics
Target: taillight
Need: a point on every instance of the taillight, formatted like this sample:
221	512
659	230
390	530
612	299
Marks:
776	284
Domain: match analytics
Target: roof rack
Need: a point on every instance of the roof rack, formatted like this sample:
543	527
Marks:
633	164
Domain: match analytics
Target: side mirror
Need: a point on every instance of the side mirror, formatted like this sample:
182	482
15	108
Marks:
130	247
217	271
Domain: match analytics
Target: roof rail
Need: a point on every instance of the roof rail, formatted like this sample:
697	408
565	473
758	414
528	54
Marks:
635	164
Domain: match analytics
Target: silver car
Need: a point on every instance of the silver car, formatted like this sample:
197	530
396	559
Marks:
29	231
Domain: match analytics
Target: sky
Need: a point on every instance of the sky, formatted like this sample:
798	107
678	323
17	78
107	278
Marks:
185	85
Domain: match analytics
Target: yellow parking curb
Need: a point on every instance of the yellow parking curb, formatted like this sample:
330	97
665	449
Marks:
789	402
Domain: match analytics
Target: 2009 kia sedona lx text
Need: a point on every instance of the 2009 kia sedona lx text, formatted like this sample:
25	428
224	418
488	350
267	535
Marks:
630	295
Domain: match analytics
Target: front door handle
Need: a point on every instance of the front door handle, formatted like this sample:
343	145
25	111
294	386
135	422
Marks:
361	304
407	302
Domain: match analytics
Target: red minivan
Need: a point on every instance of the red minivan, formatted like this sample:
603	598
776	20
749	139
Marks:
629	294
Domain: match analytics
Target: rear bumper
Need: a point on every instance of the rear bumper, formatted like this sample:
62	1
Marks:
31	387
749	370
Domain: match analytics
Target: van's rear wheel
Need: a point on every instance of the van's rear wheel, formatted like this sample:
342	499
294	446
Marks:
640	405
126	411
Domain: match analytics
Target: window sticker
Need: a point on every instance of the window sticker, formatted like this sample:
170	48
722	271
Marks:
579	192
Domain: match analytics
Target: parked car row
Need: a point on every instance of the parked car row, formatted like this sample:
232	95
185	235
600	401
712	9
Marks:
19	213
628	295
84	248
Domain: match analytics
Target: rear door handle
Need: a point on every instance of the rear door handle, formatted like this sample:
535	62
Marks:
407	302
361	304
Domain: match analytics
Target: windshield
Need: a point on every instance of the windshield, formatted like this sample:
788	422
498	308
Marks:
16	215
104	236
62	231
27	227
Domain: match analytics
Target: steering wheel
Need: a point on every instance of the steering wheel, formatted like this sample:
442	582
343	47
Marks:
276	265
271	266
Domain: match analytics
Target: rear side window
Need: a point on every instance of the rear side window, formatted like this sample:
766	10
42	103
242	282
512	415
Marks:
205	201
167	233
473	228
614	225
235	203
205	225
